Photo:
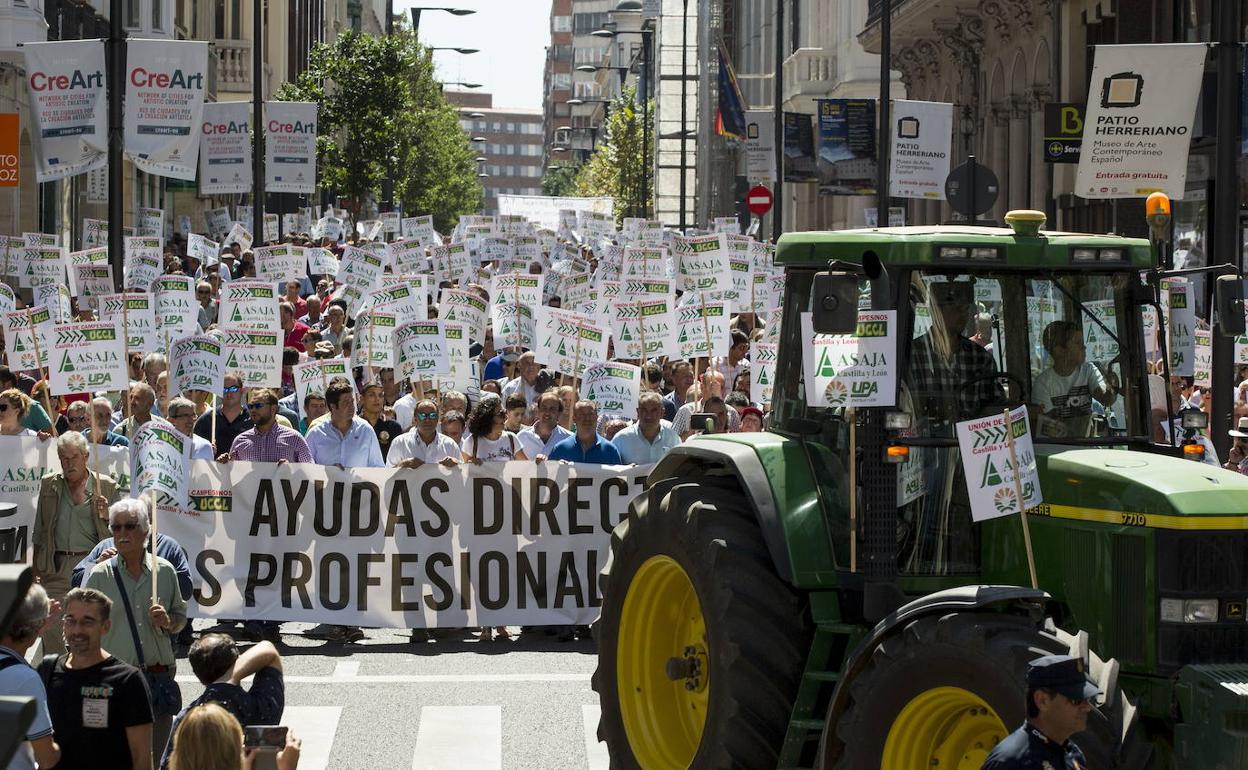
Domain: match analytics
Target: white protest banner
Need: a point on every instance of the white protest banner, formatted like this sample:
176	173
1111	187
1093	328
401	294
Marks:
43	266
990	474
162	466
763	357
766	289
290	147
238	233
250	303
570	342
243	214
217	221
515	326
543	210
282	263
201	248
177	312
8	300
290	223
359	273
1138	126
1202	359
94	233
88	357
143	262
466	308
742	279
1182	327
408	226
852	369
420	349
150	223
702	328
164	105
225	149
312	377
195	363
137	311
644	328
404	296
27	333
644	262
408	256
255	354
374	339
92	281
57	299
517	287
65	83
321	261
451	262
921	146
328	227
702	262
726	225
614	387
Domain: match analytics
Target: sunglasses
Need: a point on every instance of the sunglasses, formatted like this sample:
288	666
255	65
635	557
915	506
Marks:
426	415
232	389
258	405
129	526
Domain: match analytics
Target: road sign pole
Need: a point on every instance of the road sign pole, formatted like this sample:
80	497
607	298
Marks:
970	159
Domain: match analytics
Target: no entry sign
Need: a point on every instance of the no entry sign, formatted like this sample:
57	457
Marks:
758	200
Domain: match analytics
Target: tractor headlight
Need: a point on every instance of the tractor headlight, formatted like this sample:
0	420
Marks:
1083	255
1189	610
1172	610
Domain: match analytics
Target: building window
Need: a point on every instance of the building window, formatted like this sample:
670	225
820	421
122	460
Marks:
561	81
585	23
134	15
561	23
158	15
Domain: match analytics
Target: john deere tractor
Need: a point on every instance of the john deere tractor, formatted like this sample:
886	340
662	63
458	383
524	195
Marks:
819	596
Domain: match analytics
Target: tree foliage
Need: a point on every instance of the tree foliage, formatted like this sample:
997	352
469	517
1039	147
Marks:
560	180
619	163
381	113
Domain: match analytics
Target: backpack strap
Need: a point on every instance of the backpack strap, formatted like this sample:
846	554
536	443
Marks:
46	667
125	602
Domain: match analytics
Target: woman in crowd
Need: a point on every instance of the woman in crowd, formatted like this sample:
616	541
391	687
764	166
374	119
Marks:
13	407
210	738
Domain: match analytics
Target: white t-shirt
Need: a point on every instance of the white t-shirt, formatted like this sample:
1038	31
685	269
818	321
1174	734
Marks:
410	445
1067	396
502	449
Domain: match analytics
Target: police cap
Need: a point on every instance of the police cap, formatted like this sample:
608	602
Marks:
1061	673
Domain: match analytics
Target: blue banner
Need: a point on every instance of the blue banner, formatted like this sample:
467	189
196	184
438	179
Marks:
847	150
799	148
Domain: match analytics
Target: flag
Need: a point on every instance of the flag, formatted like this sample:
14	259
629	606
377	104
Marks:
730	119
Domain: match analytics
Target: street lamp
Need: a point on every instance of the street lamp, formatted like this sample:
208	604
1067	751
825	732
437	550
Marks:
453	11
464	51
460	83
647	38
479	139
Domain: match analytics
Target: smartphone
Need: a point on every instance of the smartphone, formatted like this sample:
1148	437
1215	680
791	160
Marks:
703	421
264	737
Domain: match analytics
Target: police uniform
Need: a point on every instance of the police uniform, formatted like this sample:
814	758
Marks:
1027	748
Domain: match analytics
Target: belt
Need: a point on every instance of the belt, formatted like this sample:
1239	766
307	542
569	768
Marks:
72	553
158	669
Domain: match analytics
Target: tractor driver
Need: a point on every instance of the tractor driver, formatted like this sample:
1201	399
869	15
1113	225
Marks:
951	378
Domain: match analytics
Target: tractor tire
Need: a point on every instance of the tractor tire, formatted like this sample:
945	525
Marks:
946	689
691	584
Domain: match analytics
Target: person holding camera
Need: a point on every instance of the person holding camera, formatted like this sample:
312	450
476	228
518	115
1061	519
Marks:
212	739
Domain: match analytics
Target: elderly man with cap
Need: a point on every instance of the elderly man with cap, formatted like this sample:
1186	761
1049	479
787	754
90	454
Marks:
1059	697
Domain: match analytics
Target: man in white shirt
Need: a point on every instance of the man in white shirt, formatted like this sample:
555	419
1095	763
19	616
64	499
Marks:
647	440
539	438
524	384
345	439
182	415
423	444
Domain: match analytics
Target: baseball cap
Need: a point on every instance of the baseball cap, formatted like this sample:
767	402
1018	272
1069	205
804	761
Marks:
952	292
1061	673
1242	429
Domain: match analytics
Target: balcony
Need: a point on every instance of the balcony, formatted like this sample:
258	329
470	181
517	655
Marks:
233	65
809	72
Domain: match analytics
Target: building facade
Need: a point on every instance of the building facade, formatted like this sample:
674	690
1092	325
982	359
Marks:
511	155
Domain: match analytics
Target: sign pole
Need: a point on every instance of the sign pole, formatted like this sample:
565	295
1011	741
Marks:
851	417
43	373
576	361
1022	509
95	450
152	545
125	334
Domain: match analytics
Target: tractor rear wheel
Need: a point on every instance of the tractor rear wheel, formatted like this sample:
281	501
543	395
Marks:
946	689
700	644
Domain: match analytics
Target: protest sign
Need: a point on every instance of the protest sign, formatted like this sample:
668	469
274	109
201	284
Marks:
177	312
137	312
1182	327
389	222
88	357
462	374
270	228
570	342
150	223
984	446
290	147
91	281
1098	338
42	266
420	350
702	329
702	262
404	296
217	221
1202	359
238	233
644	262
359	273
409	257
321	261
644	328
56	298
162	463
165	82
614	387
250	303
66	89
225	149
143	262
523	288
75	259
312	377
255	354
515	326
466	308
26	334
374	339
852	369
201	248
94	233
726	225
8	300
195	363
279	263
451	263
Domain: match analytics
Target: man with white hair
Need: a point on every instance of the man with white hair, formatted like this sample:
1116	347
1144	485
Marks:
102	417
18	679
143	632
142	399
182	415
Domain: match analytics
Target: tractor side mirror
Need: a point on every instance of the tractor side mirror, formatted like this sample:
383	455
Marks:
834	303
1229	300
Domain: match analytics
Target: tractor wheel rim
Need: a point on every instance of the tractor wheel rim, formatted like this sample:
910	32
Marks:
945	727
662	668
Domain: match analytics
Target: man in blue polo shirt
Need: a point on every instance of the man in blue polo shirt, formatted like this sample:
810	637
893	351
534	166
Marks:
586	445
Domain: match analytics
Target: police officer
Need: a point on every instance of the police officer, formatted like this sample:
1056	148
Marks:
1059	697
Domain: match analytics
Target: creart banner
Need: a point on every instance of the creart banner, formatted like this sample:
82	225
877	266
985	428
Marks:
65	81
165	105
290	147
225	149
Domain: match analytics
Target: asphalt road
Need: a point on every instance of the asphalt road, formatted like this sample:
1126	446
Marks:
384	703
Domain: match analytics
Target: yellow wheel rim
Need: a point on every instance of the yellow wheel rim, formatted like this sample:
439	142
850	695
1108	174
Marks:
945	727
662	673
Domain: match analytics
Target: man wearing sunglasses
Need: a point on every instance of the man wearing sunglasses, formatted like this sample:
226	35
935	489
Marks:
231	418
423	444
1059	698
267	441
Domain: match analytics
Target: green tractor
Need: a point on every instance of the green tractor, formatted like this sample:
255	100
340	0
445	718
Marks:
818	596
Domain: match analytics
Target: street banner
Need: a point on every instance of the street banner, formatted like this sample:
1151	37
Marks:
990	473
1202	359
852	369
846	161
570	342
1182	327
150	223
162	466
279	263
69	107
517	287
451	263
799	148
644	328
614	387
321	261
515	326
255	354
250	303
137	311
88	357
312	377
922	140
217	221
238	233
225	149
543	211
91	281
466	308
203	249
702	262
763	357
374	339
1138	128
144	262
702	328
165	105
43	266
420	349
177	312
404	296
27	333
290	147
94	233
56	298
195	363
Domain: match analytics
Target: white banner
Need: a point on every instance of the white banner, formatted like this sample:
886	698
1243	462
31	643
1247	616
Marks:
570	342
614	387
69	107
543	211
164	105
922	139
256	355
290	147
177	312
644	328
217	221
137	311
203	249
250	304
1138	127
312	377
990	474
702	262
1182	327
760	146
144	262
702	329
515	326
195	363
26	333
466	308
88	357
374	339
763	357
420	349
279	263
321	262
162	460
852	369
225	149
